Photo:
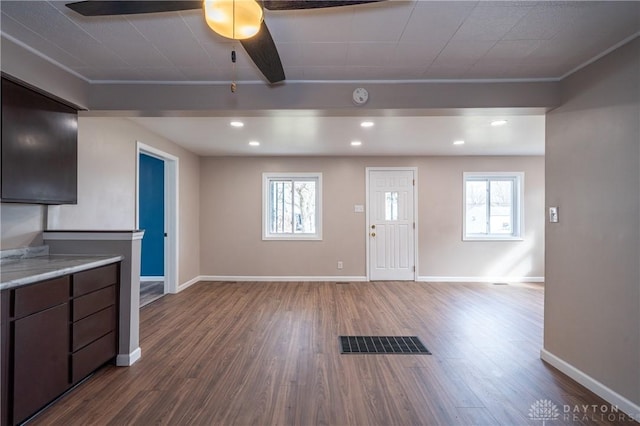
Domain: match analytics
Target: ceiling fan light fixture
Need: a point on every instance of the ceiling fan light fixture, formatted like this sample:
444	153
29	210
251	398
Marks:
233	19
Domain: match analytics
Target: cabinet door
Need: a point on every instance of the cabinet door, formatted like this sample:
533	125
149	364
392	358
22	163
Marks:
41	360
5	352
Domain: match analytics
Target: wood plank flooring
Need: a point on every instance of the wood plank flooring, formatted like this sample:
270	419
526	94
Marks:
150	291
268	354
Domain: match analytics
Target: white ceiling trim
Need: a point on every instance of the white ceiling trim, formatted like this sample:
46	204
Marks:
43	56
424	81
601	55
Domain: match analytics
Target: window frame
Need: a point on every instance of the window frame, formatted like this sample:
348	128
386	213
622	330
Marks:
517	205
267	177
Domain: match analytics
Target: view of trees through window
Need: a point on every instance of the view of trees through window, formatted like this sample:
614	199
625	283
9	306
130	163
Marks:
292	206
495	216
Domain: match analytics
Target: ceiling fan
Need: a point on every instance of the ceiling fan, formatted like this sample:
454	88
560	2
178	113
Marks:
230	14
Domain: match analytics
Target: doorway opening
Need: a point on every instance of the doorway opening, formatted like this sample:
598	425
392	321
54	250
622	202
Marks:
392	226
156	213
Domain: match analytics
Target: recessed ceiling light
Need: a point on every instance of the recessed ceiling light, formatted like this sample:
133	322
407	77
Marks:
498	123
459	142
356	143
237	124
367	124
254	143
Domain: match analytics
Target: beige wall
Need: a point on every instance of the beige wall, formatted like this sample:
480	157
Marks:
106	177
21	225
231	243
442	251
592	300
107	191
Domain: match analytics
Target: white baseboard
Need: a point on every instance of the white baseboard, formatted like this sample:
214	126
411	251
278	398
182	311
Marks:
125	360
286	278
151	278
480	279
609	395
347	278
352	278
189	283
246	278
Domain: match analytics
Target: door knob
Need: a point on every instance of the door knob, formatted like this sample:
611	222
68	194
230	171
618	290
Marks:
373	234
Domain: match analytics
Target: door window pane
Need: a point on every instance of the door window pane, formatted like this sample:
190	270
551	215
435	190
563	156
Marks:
391	205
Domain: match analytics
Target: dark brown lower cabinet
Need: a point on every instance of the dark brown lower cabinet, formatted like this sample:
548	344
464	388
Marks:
41	358
54	334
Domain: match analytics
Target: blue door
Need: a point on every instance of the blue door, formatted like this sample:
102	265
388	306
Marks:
151	202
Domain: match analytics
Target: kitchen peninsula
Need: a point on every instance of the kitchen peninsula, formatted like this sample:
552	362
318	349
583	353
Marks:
59	323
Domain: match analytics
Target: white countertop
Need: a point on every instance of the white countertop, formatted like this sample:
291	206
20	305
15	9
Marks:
19	272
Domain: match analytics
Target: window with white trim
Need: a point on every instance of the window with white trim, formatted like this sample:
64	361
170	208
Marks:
493	206
292	206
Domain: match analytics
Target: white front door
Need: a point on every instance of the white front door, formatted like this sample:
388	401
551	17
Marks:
391	227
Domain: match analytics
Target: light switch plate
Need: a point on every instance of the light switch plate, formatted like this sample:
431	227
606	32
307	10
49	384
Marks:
358	208
553	215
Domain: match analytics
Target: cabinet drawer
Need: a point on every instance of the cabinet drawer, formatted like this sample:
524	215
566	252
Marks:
91	303
92	356
38	297
92	327
94	279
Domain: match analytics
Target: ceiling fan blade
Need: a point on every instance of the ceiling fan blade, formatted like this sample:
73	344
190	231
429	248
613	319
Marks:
102	8
264	54
311	4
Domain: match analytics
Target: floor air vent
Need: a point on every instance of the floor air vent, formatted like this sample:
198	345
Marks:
410	345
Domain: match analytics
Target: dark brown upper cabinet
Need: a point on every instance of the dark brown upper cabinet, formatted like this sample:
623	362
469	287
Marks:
39	147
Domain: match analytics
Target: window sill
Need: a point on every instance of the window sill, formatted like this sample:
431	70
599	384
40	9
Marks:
492	239
292	238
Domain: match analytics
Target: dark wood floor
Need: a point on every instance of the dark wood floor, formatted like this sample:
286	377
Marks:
268	353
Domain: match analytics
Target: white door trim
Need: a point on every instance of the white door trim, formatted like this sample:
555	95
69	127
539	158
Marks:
171	196
415	214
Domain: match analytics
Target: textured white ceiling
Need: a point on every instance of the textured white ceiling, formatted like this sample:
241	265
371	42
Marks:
391	41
